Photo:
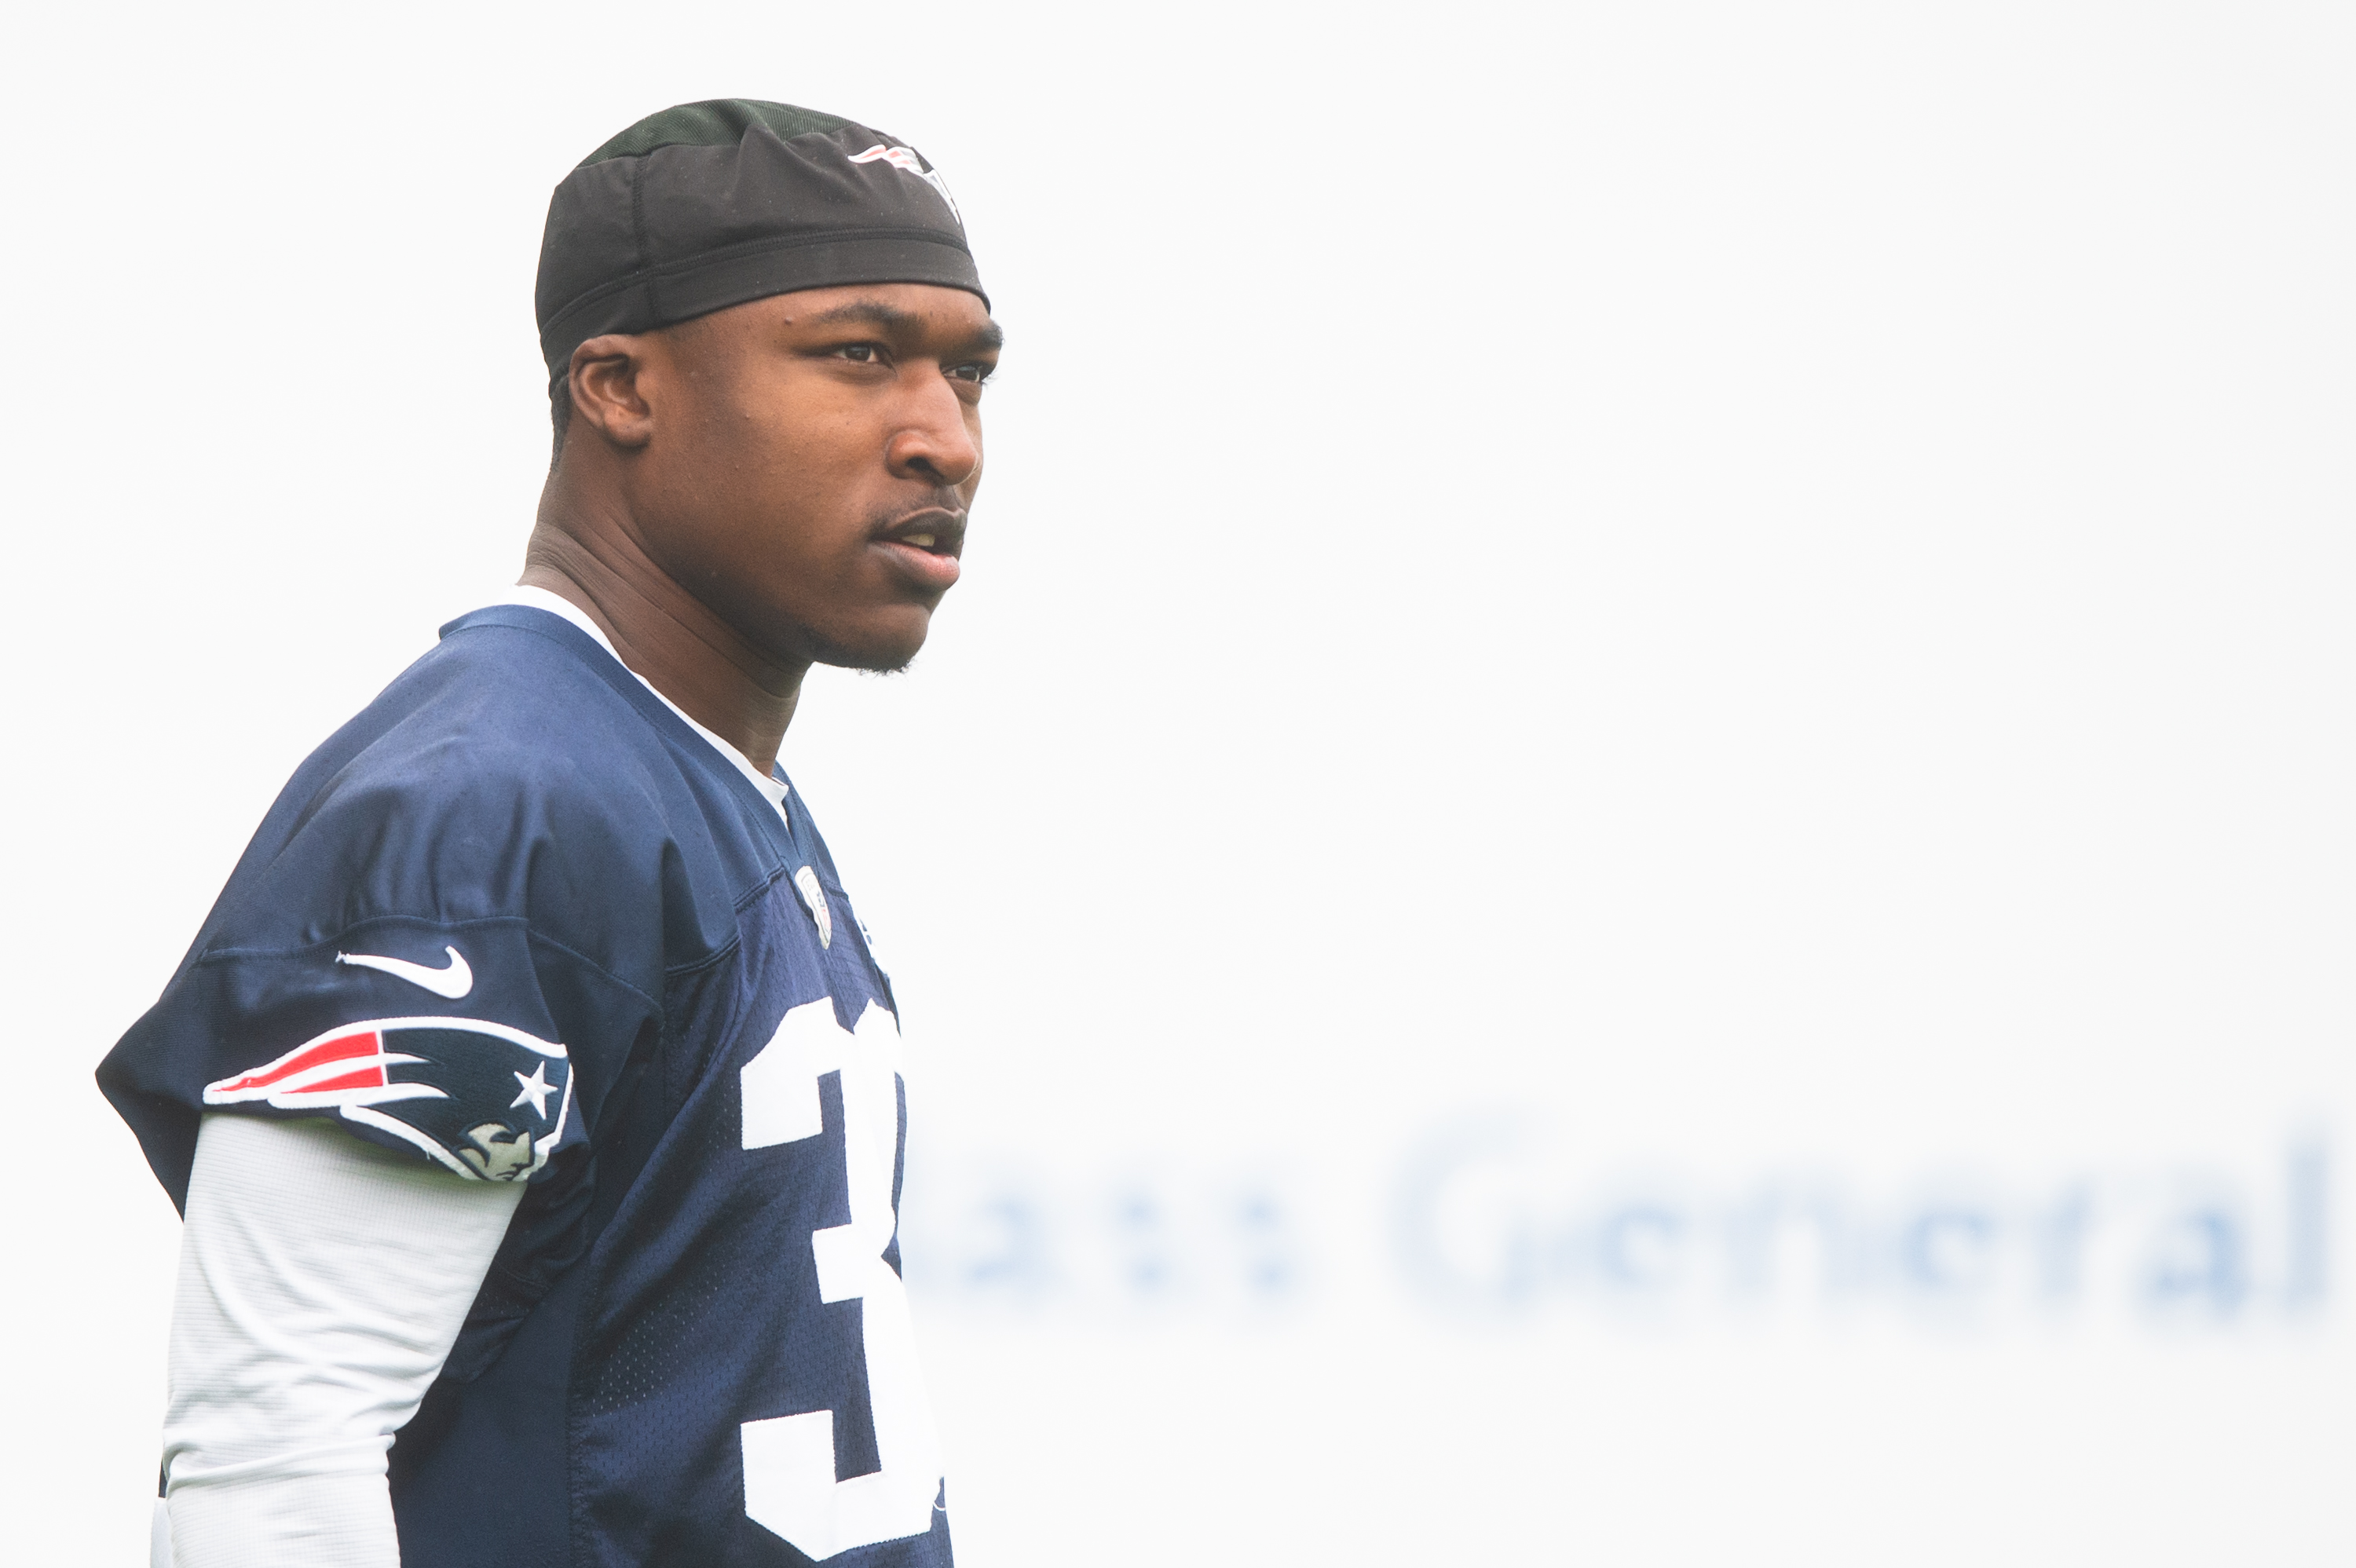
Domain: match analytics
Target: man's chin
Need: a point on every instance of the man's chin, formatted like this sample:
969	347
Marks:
874	655
868	664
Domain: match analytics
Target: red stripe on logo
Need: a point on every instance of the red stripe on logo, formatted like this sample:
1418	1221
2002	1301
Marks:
341	1048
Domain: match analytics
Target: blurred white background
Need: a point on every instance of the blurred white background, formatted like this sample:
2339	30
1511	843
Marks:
1633	844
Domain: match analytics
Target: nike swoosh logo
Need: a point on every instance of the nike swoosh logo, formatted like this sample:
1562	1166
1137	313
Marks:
452	980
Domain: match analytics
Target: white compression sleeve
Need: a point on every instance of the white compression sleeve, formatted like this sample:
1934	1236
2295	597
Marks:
322	1284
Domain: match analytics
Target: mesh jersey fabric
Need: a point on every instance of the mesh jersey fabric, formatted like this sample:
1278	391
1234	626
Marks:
692	1347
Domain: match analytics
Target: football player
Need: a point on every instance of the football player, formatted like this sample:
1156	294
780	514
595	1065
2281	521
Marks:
532	1094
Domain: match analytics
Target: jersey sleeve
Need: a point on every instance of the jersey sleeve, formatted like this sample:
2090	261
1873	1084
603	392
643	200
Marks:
431	1038
438	945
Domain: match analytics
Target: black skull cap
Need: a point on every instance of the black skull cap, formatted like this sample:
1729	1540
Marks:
709	205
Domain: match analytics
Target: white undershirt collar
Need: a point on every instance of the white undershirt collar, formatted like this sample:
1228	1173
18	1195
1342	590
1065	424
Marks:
531	598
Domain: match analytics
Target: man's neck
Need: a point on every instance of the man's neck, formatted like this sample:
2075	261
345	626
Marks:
658	629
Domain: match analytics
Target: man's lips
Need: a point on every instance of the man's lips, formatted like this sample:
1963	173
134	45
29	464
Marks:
924	546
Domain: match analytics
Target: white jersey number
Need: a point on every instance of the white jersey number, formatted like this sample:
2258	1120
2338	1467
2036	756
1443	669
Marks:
789	1485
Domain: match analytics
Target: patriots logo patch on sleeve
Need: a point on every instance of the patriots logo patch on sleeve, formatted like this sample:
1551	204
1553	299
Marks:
487	1100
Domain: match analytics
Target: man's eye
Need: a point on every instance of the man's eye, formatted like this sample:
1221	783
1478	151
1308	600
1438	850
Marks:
860	353
978	374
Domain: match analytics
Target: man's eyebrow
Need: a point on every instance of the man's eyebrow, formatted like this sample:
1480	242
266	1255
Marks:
989	335
871	313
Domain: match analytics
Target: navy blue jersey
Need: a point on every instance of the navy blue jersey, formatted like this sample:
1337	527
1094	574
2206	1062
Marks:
519	921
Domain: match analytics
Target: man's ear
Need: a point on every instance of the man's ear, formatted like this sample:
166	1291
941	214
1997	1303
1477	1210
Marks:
604	380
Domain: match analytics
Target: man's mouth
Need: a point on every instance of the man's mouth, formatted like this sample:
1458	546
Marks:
936	530
925	546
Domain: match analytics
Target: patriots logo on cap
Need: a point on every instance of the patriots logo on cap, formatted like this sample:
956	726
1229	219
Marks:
904	158
487	1100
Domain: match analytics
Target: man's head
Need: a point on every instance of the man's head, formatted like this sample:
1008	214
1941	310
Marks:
766	345
802	464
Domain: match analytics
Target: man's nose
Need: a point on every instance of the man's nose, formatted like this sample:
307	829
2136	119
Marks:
933	443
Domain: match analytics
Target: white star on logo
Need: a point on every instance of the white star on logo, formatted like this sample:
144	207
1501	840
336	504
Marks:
536	1089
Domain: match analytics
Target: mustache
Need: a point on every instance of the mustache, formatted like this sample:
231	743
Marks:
941	500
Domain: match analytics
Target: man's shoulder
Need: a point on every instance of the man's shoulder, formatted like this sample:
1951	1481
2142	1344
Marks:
515	770
512	693
497	862
514	705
